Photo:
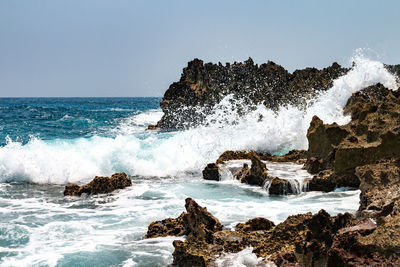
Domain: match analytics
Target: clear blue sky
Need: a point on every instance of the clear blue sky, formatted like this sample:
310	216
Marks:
137	48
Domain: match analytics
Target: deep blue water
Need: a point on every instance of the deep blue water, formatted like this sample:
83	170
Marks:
66	118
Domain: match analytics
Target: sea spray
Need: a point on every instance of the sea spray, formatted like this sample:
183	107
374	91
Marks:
173	154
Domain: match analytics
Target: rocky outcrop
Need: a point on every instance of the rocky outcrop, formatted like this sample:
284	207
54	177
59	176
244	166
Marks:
380	189
99	185
296	156
373	134
280	187
196	223
211	172
301	240
202	86
257	175
168	227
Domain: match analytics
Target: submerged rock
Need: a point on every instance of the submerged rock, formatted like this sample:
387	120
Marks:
99	185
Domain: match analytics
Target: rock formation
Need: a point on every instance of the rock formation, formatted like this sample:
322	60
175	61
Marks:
301	240
99	185
373	134
211	172
202	86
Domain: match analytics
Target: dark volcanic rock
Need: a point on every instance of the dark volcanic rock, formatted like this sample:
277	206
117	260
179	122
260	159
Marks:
202	86
211	172
99	185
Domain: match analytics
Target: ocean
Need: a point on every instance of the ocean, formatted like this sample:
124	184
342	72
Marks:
48	142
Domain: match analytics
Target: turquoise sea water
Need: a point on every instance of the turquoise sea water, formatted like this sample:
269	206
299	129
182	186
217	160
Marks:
47	142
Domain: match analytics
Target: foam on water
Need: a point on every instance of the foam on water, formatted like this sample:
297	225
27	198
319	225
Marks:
39	227
164	154
244	258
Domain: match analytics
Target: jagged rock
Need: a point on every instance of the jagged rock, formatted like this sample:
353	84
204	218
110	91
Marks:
191	253
373	134
167	227
258	172
99	185
211	172
301	240
328	180
323	139
197	223
200	223
318	238
202	86
283	187
367	244
243	172
255	224
380	189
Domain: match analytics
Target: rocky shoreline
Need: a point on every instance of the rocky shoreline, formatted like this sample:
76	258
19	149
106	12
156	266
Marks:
364	154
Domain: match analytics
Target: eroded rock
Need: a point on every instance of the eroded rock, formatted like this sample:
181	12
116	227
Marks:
211	172
99	185
380	188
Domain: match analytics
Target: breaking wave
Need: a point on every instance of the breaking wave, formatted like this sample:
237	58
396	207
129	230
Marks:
149	153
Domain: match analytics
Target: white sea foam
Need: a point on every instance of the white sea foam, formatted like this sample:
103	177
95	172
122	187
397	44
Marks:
165	154
106	230
244	258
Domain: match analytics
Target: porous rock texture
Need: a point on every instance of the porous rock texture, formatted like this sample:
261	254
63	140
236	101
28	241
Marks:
99	185
372	134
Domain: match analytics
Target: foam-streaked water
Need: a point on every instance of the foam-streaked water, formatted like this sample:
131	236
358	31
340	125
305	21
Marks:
49	142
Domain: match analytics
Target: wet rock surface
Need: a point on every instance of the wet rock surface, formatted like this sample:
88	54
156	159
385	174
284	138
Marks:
204	85
296	156
372	134
211	172
301	240
99	185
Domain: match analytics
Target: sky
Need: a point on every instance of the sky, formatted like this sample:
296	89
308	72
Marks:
118	48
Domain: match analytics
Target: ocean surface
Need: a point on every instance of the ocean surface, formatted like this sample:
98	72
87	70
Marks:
48	142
